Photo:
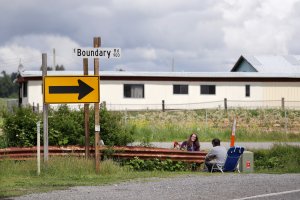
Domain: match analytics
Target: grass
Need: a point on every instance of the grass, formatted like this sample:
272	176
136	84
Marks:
279	159
252	125
20	177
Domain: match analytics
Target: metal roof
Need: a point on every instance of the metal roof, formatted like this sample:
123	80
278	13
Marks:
168	74
273	63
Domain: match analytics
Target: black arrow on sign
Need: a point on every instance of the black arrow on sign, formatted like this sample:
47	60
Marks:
82	89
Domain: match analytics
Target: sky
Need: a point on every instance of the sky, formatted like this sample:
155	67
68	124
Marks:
154	35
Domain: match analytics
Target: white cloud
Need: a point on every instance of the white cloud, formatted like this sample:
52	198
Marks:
29	48
201	36
258	27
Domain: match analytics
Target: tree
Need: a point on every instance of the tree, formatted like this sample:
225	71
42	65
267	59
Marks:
59	68
7	86
48	68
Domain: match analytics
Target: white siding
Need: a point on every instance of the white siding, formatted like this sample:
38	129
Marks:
35	93
155	91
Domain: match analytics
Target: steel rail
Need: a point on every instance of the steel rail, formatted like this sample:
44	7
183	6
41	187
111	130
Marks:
117	152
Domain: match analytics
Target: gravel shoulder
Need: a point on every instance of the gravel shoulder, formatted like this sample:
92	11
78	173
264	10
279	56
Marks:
195	186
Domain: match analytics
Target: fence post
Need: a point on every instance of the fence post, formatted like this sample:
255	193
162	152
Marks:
282	103
285	122
225	104
33	108
163	105
38	146
103	105
38	107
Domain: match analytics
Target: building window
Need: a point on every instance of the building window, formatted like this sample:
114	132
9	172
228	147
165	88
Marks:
133	90
247	90
180	89
207	89
25	89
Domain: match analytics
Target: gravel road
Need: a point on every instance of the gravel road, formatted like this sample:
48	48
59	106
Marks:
196	186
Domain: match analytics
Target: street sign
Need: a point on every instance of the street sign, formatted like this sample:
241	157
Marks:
109	53
71	89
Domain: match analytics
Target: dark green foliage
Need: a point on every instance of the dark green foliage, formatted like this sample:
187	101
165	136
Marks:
113	130
59	68
156	164
281	158
7	87
65	127
19	127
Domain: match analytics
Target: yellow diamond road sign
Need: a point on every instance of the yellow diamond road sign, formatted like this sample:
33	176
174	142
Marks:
71	89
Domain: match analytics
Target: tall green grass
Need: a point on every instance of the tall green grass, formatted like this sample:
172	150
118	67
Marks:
278	159
252	125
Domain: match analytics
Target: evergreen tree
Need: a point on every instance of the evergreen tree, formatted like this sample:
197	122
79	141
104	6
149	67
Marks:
7	86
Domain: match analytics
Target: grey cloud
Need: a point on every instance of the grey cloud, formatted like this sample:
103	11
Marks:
206	35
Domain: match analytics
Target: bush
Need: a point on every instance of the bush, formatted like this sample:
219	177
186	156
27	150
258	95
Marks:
156	164
19	127
113	130
65	127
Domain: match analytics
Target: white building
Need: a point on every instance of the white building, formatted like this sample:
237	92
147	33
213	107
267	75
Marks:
180	90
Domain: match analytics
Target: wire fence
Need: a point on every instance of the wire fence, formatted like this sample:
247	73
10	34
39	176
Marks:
282	116
220	104
165	106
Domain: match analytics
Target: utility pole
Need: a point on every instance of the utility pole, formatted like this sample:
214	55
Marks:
173	64
97	44
45	111
86	112
53	59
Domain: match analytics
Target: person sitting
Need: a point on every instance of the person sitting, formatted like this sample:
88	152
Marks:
176	145
192	144
216	155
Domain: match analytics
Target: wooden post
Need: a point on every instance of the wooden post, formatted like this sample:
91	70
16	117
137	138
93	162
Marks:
282	103
45	111
97	44
86	113
225	104
163	105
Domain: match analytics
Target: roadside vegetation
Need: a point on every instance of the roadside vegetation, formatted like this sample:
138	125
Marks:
18	127
279	159
66	127
20	177
256	125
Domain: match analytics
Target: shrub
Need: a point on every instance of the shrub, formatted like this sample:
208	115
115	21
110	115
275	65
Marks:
19	127
112	128
65	127
156	164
